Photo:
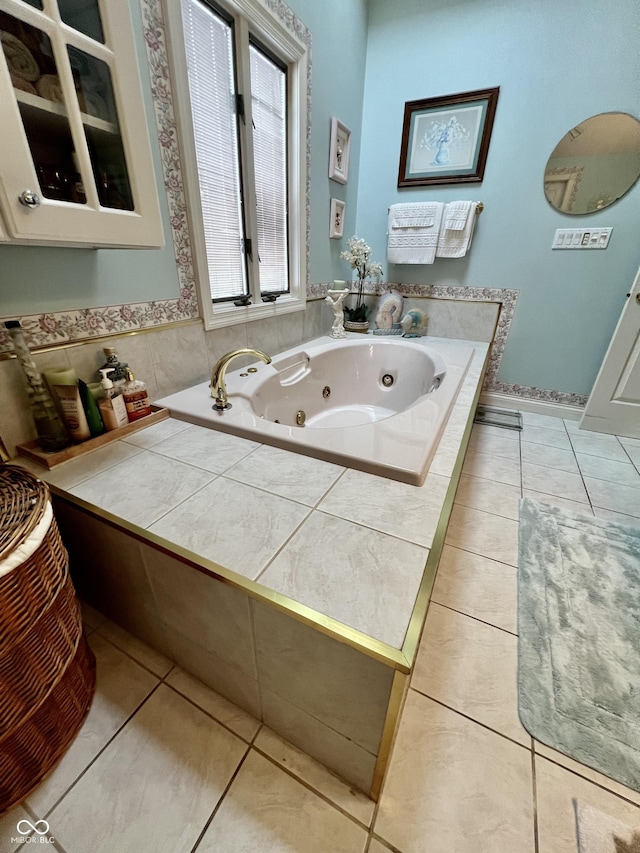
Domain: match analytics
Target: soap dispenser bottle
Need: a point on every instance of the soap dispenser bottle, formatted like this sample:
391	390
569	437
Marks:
111	404
113	363
136	397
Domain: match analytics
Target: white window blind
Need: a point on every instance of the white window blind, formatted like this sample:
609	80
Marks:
211	75
269	107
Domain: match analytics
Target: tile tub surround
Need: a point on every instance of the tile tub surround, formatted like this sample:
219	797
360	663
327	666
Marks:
221	580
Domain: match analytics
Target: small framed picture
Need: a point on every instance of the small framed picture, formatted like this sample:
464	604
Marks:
445	140
339	152
336	222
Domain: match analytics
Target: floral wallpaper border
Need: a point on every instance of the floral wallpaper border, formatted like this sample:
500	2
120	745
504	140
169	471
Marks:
81	324
507	299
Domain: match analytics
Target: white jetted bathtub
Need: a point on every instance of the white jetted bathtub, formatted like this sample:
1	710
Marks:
378	404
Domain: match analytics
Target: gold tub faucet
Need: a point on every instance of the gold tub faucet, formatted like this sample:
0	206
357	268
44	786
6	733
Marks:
218	388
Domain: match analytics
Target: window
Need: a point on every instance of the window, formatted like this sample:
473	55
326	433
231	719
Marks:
241	93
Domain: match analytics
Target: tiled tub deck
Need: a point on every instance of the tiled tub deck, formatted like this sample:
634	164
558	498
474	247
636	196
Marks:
294	587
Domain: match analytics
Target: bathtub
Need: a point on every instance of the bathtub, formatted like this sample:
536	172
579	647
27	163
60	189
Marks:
377	404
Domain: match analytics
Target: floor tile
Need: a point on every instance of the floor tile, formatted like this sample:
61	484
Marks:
572	426
453	785
396	508
542	435
11	826
633	452
506	445
316	776
90	616
205	448
343	571
550	457
135	648
626	441
483	533
178	762
472	668
290	475
143	488
120	687
266	810
554	500
378	847
477	586
200	524
490	467
621	473
616	516
605	446
556	791
563	484
624	499
487	495
546	421
230	715
588	773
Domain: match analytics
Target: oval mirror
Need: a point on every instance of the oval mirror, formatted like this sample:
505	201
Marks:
594	164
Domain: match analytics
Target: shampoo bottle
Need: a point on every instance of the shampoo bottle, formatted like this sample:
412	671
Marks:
112	406
64	385
136	397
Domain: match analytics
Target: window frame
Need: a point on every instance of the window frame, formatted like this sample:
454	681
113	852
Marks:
250	19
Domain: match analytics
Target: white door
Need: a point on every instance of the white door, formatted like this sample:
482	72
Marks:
614	404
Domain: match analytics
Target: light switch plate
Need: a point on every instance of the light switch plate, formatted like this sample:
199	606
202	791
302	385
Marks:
581	238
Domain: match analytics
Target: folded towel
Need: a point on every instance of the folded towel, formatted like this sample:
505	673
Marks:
19	58
600	833
23	85
457	231
49	87
413	232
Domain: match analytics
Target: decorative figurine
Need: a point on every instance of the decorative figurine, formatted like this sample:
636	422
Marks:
335	298
389	313
413	323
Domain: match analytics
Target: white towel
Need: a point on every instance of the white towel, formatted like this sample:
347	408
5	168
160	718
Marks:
456	233
600	833
413	232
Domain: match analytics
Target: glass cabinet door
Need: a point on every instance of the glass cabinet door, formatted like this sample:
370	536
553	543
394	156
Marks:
78	157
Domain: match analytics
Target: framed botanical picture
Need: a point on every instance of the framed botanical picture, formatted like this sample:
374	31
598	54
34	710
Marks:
336	221
445	140
339	151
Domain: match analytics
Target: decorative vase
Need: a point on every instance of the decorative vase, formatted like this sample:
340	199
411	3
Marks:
361	326
52	434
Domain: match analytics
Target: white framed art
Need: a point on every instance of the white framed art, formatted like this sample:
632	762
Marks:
336	220
339	151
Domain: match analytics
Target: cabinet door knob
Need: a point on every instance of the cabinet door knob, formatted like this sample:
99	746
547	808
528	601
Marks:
29	198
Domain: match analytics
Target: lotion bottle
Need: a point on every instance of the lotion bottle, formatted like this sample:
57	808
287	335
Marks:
136	397
111	404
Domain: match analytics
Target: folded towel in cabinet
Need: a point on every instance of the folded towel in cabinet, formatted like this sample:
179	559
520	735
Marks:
413	232
19	58
457	229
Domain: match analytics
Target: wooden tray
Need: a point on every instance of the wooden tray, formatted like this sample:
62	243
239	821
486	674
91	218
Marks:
33	451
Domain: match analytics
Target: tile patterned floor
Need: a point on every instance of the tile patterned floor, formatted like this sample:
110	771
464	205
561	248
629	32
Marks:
165	764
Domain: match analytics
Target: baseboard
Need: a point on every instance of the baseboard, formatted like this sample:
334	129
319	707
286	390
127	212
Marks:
540	407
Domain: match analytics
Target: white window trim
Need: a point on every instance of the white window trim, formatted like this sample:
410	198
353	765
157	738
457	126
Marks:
286	44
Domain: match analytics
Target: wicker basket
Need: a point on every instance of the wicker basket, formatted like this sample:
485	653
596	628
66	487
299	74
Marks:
47	671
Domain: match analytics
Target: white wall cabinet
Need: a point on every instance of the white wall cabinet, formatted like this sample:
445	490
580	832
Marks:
75	164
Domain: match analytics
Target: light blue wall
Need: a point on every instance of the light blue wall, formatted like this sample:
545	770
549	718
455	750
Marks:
339	30
556	64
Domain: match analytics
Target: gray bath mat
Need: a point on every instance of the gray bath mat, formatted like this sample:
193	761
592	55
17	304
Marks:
579	637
